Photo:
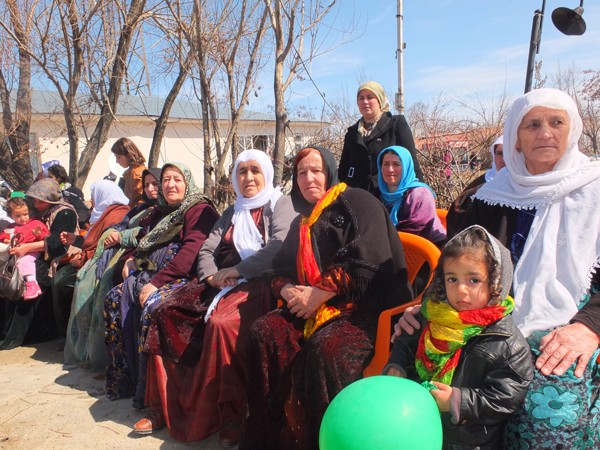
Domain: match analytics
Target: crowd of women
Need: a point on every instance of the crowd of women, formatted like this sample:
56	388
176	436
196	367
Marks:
250	322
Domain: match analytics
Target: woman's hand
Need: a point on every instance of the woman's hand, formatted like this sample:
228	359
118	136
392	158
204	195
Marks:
565	345
442	395
225	277
77	260
307	299
113	239
20	250
407	322
146	291
67	238
128	267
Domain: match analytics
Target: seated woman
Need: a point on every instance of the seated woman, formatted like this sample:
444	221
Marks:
464	200
545	207
341	264
109	208
85	331
198	395
410	202
165	258
19	317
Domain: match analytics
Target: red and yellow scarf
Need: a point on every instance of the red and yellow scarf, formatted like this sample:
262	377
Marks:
306	264
447	332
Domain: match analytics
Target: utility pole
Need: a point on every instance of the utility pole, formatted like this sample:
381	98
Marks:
399	100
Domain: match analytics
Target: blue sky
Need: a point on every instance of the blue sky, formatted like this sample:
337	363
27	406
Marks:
453	48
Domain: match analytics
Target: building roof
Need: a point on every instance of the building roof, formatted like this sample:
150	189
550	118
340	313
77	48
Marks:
48	102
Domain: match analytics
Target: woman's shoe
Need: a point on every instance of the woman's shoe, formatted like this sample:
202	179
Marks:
150	424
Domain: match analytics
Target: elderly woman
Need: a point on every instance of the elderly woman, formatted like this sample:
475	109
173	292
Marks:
59	216
411	203
341	264
198	395
546	209
85	331
461	204
109	208
165	258
374	131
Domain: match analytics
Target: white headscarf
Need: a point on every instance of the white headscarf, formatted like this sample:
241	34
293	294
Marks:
246	237
491	173
566	227
104	194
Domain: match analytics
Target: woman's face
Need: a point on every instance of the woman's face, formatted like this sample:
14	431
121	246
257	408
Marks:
40	205
368	105
499	156
311	177
173	186
123	160
542	137
151	187
250	178
391	171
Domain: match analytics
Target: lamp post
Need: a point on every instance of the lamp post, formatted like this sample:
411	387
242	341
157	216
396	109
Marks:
399	100
568	21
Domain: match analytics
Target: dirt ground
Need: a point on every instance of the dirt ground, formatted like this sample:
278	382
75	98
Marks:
44	406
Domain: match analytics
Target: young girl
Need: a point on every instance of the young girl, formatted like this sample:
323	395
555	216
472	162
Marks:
470	348
25	231
129	157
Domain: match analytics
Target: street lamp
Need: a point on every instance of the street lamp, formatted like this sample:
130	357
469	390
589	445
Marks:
567	21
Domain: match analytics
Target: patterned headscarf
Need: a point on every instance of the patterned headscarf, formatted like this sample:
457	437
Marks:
379	92
46	190
169	226
408	181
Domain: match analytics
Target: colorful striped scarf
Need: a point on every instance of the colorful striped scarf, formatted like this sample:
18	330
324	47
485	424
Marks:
447	332
306	264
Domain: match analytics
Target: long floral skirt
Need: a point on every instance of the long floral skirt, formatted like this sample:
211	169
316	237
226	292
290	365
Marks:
198	399
122	317
291	381
559	412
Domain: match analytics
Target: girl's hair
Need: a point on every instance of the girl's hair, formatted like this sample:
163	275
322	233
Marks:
473	241
126	147
15	202
59	173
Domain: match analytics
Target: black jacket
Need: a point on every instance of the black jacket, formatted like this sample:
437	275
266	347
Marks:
493	373
358	163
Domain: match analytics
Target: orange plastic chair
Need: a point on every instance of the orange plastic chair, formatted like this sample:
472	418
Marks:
417	251
442	213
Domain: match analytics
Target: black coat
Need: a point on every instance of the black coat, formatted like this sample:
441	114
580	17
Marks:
358	163
493	373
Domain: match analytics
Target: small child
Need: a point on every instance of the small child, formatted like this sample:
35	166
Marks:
25	231
476	359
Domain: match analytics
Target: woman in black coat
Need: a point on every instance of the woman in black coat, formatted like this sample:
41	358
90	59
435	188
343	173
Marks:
375	130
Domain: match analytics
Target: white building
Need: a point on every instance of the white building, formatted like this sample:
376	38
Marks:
135	119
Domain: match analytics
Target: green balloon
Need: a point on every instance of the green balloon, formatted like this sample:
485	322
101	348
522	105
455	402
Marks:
381	413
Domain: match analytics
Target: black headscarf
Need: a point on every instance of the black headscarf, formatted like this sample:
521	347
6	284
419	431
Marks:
155	172
301	205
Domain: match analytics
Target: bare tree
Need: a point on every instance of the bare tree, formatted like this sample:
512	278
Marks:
292	22
15	147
